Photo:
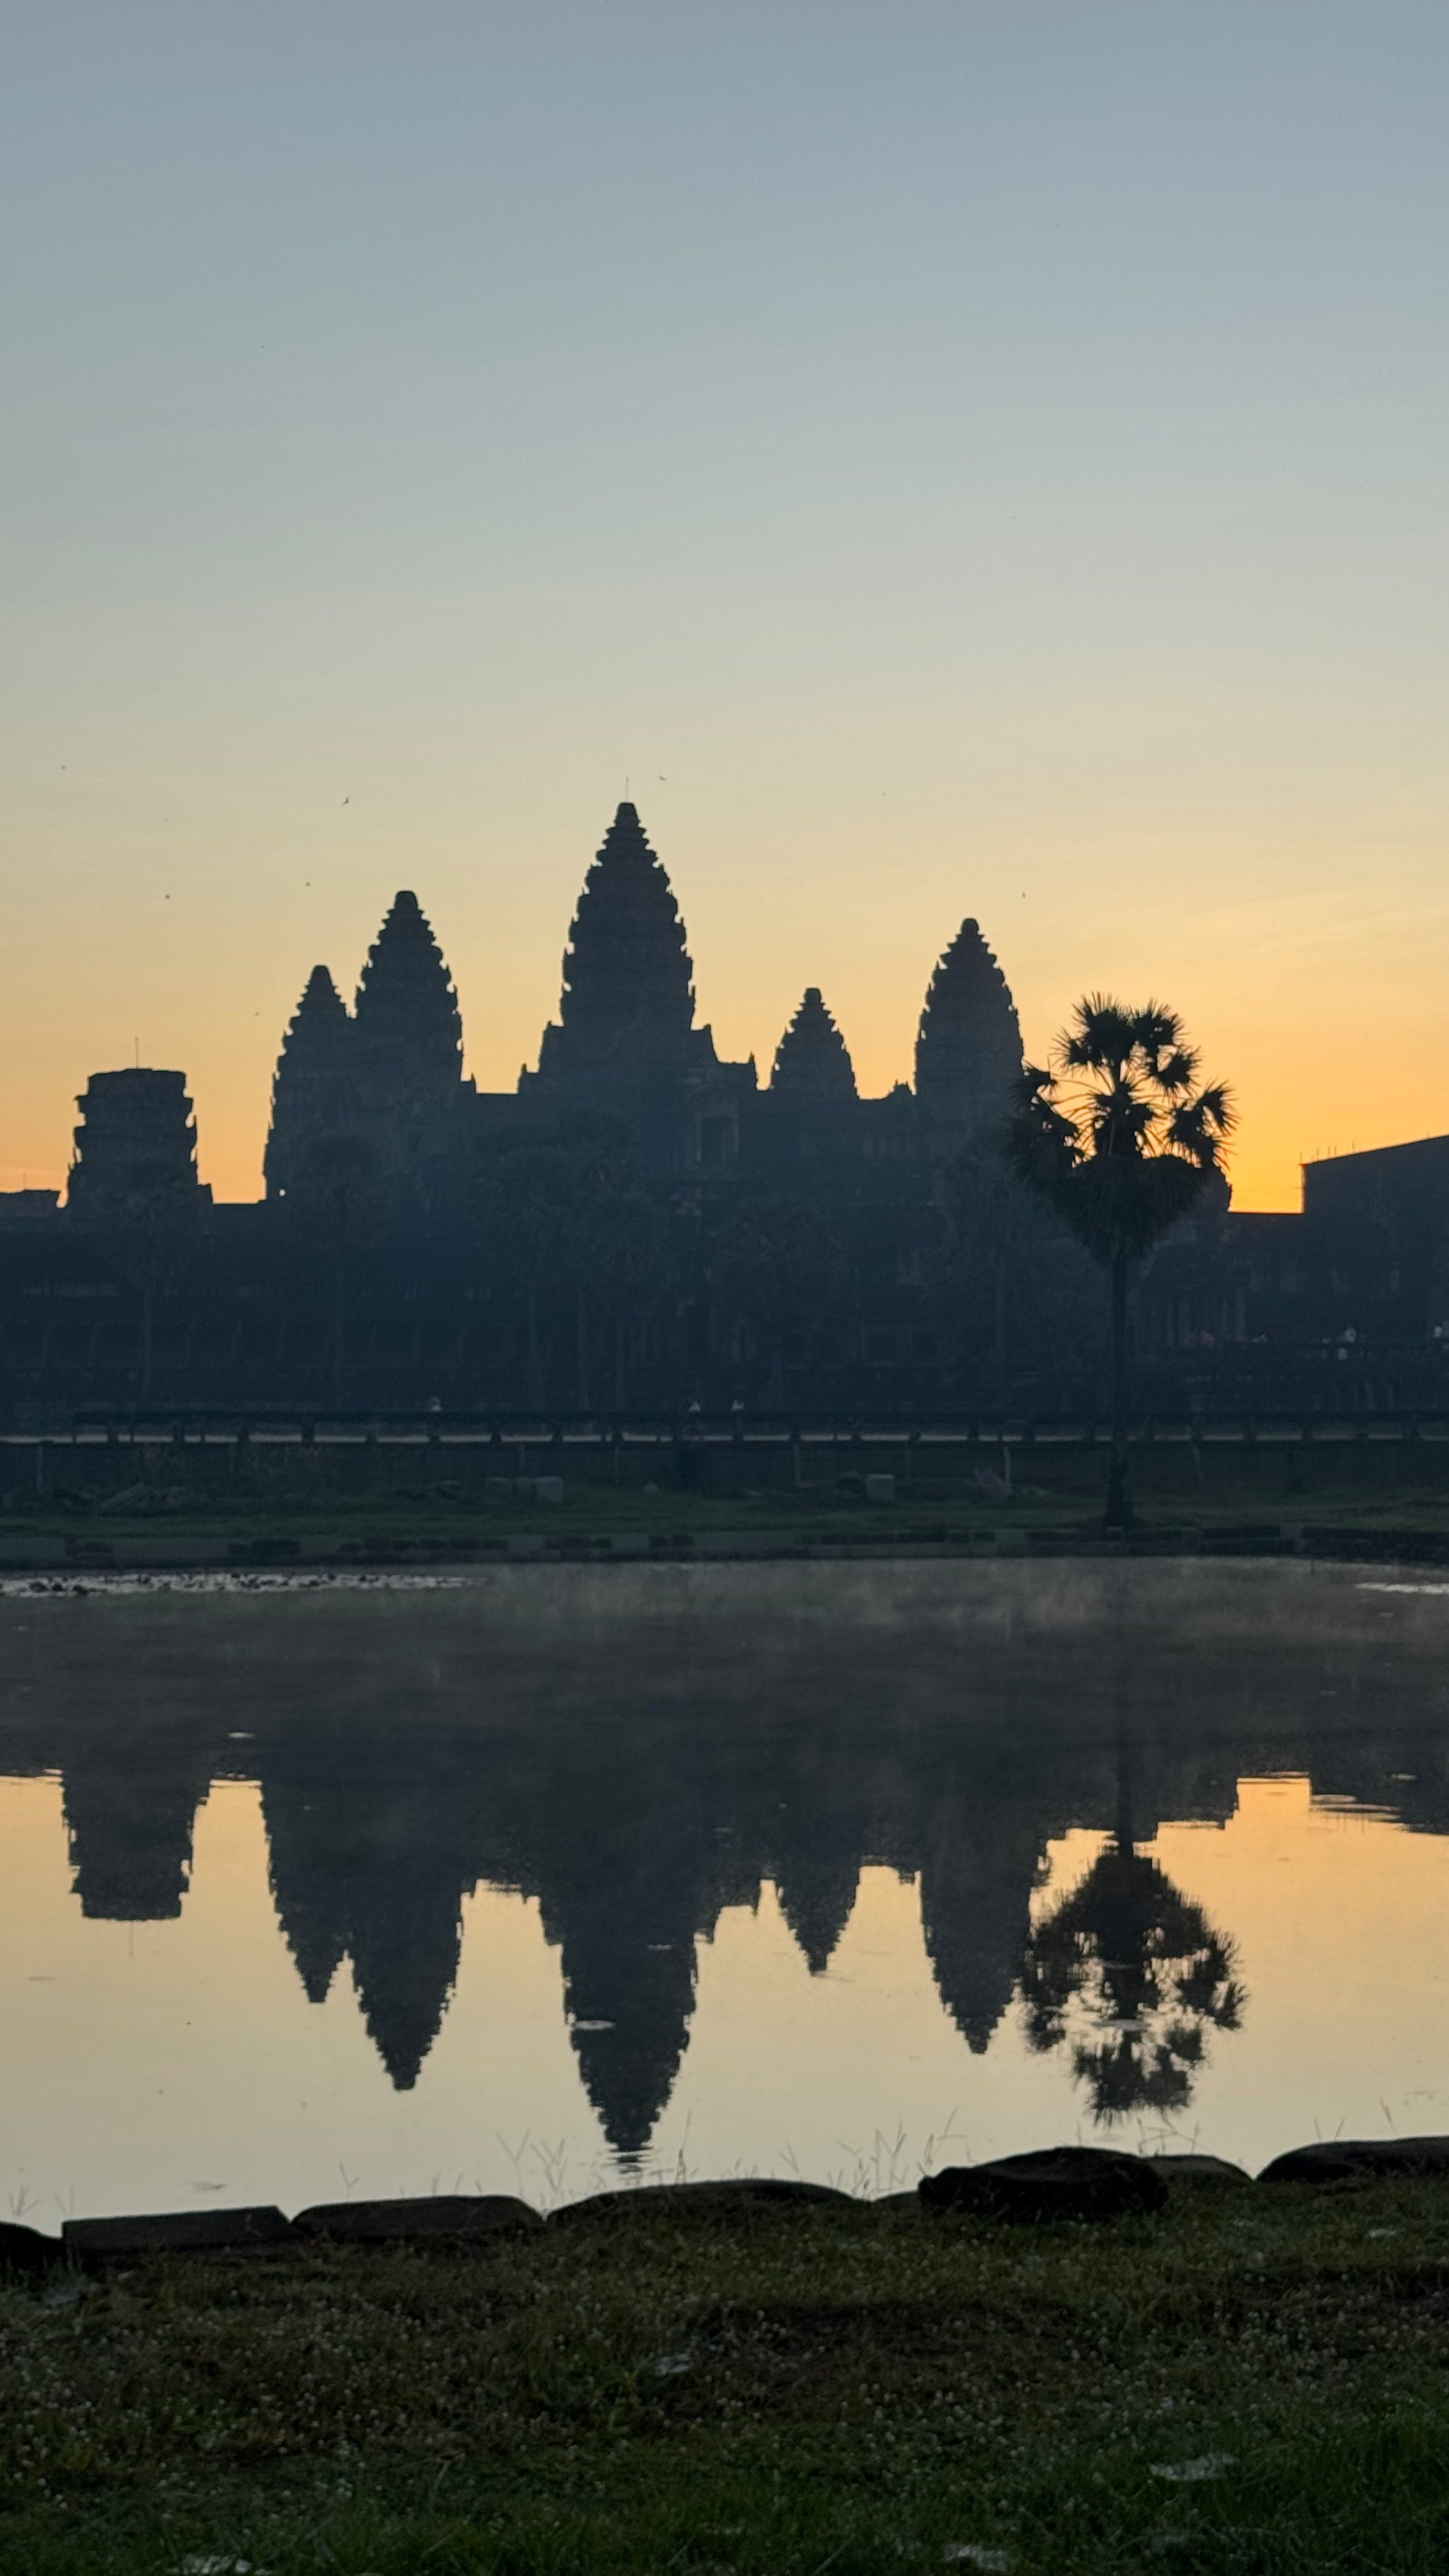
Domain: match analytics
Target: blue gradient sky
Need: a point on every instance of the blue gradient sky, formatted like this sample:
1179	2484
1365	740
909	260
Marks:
948	459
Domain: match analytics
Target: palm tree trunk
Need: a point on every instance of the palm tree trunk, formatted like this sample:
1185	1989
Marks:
1118	1517
1124	1835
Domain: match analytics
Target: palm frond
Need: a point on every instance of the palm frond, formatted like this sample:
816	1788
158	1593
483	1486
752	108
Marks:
1176	1074
1042	1141
1200	1127
1219	1105
1100	1037
1121	1120
1156	1029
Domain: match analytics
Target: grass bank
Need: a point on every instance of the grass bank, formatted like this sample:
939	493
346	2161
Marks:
382	1527
1253	2380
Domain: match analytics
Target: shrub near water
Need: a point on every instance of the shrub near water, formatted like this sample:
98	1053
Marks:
1254	2380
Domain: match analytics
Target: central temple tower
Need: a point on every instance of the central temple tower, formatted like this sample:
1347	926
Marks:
968	1049
628	998
625	1039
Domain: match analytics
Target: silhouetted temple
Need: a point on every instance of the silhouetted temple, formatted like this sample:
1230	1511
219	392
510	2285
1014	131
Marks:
470	1278
625	1043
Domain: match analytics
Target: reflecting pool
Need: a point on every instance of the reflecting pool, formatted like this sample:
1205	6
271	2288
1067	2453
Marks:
540	1875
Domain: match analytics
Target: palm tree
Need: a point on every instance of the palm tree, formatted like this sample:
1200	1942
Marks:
1144	1975
1117	1135
1136	1970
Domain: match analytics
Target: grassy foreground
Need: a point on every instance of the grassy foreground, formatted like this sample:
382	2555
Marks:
1256	2379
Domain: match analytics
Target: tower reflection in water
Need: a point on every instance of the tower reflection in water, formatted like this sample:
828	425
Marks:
637	1797
633	1859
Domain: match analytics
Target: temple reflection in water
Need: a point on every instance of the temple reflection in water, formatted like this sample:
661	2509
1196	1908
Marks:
636	1784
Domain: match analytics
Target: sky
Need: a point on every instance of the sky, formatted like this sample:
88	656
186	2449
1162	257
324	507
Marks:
955	457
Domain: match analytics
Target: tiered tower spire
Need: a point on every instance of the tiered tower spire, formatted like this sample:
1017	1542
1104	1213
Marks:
136	1129
968	1050
628	996
812	1060
408	1029
311	1088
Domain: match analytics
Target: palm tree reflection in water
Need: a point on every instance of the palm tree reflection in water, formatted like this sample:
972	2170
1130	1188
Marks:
1135	1974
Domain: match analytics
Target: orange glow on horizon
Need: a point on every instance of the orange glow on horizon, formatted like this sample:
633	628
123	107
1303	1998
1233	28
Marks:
1266	1000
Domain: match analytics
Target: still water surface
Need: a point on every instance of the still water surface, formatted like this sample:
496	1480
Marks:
545	1875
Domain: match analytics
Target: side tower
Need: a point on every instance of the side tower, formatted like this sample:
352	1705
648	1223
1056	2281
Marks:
407	1028
812	1060
136	1132
968	1048
391	1074
407	1048
313	1088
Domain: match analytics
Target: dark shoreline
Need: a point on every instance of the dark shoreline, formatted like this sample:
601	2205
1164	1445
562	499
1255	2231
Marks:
174	1551
1036	2187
